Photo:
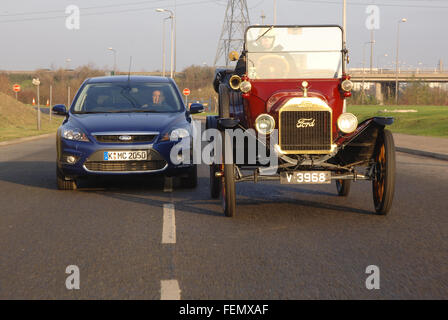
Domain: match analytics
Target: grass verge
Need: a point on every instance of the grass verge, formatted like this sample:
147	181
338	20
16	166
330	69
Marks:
18	120
427	121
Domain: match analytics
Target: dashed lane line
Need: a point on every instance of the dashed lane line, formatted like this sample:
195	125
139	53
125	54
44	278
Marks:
169	290
169	224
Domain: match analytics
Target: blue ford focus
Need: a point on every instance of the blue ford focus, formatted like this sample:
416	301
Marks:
123	125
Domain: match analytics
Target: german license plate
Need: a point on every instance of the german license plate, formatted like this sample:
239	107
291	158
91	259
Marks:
125	155
306	177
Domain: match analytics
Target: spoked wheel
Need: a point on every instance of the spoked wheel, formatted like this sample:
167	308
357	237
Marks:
215	182
343	187
383	185
228	196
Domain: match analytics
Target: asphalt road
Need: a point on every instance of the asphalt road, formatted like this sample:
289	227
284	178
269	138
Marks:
285	242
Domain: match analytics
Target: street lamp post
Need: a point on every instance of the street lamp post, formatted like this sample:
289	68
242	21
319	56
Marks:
51	100
363	69
344	22
172	17
36	82
115	58
164	48
396	64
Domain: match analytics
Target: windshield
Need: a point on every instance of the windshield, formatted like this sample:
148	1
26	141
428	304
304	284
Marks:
294	52
124	97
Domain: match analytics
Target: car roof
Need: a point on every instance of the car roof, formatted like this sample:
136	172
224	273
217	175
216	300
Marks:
131	79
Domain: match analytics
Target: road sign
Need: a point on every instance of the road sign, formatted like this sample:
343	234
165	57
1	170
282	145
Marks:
16	88
186	92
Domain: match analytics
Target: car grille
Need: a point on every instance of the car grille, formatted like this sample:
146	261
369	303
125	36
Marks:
125	166
305	131
134	138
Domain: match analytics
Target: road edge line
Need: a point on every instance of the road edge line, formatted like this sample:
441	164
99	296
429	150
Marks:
438	156
25	139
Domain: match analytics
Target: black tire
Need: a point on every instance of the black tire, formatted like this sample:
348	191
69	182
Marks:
228	191
228	194
343	187
224	101
215	183
383	185
191	181
63	183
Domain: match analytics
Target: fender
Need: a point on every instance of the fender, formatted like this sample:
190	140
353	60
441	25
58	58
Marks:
359	145
375	122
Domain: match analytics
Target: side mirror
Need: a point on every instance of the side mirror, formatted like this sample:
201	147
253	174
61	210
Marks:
59	109
196	108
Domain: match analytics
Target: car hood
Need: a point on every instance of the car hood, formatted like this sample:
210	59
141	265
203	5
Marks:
127	122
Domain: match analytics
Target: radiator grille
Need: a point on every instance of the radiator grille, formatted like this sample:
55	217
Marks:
305	131
134	138
121	166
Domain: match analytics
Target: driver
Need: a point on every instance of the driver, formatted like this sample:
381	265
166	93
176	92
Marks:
266	42
157	97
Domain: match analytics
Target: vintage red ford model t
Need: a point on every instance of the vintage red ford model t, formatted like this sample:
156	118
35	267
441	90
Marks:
289	87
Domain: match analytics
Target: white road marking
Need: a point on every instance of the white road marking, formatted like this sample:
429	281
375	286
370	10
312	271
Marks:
169	290
169	224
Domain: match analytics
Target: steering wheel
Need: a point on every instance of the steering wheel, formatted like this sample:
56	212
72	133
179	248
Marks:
272	66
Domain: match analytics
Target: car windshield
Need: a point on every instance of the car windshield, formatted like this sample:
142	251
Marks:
294	52
127	97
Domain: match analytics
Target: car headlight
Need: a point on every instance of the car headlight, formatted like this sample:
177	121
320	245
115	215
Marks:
347	122
176	134
74	135
245	86
179	133
265	124
347	85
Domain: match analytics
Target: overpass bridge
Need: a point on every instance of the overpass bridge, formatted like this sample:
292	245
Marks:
385	80
403	76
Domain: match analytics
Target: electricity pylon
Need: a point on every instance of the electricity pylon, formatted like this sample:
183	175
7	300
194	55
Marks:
236	20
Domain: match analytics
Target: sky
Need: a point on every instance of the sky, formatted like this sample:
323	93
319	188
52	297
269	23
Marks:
33	33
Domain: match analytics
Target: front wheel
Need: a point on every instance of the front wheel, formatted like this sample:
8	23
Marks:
228	180
383	184
215	182
228	191
64	184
